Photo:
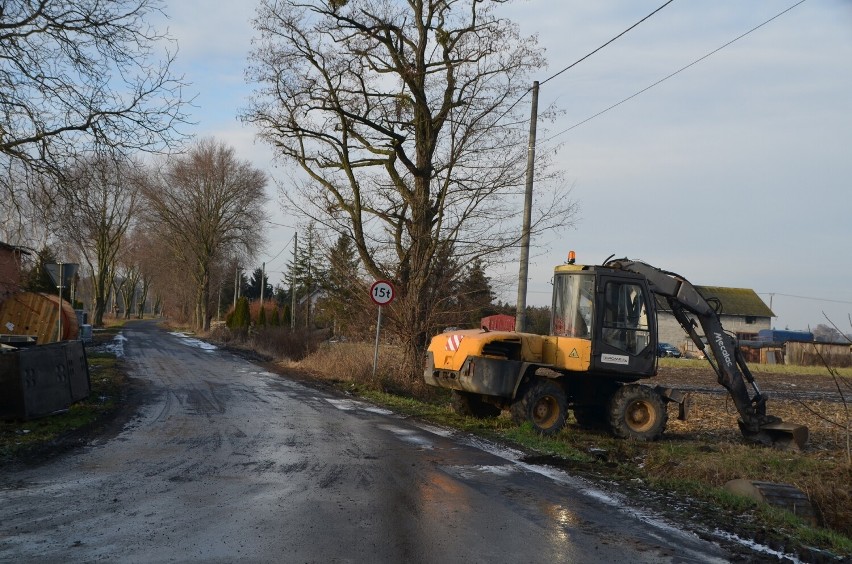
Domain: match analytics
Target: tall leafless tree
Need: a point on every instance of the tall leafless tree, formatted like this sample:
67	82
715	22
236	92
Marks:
80	73
99	203
207	205
403	115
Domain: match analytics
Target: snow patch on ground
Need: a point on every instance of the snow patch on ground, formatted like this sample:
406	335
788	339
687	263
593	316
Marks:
116	346
352	405
189	341
410	436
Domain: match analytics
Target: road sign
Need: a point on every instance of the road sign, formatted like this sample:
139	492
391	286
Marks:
381	292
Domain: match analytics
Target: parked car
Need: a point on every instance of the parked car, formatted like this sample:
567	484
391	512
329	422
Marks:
667	349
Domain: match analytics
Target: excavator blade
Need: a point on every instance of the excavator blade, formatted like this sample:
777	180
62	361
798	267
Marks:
781	435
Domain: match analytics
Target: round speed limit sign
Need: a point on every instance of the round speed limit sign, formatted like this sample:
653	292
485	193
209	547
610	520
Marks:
381	292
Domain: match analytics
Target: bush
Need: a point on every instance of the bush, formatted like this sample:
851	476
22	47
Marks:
239	319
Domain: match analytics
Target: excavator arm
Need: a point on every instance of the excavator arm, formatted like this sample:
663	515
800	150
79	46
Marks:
726	359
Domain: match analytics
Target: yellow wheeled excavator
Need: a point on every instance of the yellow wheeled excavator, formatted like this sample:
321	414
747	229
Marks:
602	341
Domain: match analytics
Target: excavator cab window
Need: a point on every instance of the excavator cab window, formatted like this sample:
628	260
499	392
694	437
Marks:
573	306
625	318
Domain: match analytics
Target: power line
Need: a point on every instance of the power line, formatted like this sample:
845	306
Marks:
281	251
696	61
583	58
806	298
578	61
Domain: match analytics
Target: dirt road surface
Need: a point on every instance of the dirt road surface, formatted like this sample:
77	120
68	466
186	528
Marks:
224	462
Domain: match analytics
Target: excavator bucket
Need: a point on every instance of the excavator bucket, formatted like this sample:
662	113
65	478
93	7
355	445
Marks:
781	435
787	435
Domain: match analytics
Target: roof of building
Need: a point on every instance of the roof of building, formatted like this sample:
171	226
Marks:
8	247
735	301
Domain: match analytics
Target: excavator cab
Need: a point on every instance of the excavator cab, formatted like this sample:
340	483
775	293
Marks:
615	311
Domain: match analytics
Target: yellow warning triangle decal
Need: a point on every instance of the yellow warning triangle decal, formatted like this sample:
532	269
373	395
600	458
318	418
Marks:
574	354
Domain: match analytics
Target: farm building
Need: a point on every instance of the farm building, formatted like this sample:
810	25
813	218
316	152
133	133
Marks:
743	313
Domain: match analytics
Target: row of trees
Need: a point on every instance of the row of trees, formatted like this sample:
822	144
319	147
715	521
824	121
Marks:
403	119
173	227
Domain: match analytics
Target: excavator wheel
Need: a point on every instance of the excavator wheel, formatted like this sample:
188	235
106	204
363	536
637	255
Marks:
544	404
637	412
471	405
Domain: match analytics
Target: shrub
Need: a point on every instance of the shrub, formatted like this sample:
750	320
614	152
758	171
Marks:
240	317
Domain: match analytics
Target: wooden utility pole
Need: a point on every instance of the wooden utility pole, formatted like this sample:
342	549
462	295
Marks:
236	285
293	284
262	281
523	274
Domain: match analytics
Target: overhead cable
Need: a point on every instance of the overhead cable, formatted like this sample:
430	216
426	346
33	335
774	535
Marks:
696	61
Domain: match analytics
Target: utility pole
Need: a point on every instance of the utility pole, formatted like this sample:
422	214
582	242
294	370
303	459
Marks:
523	274
236	279
262	281
293	284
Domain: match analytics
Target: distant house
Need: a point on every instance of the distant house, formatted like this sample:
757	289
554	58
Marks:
10	269
742	313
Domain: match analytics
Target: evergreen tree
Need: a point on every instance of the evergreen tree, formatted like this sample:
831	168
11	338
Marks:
343	289
475	294
308	274
252	288
275	321
241	316
261	317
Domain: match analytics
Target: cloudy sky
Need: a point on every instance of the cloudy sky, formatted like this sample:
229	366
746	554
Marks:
734	172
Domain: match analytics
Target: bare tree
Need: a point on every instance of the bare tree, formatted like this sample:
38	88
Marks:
129	270
79	73
207	205
99	204
403	116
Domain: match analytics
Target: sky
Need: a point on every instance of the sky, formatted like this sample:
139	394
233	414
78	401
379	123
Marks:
734	172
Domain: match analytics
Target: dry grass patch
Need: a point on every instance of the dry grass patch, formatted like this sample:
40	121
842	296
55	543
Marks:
353	362
708	448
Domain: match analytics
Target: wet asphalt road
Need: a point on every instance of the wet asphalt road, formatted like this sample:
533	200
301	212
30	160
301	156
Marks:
228	463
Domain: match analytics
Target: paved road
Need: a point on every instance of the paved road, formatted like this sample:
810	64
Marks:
225	462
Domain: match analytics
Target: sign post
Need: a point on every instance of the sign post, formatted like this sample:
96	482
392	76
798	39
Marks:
382	293
62	275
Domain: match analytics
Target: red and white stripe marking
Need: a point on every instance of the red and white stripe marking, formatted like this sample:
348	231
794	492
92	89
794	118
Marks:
453	342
